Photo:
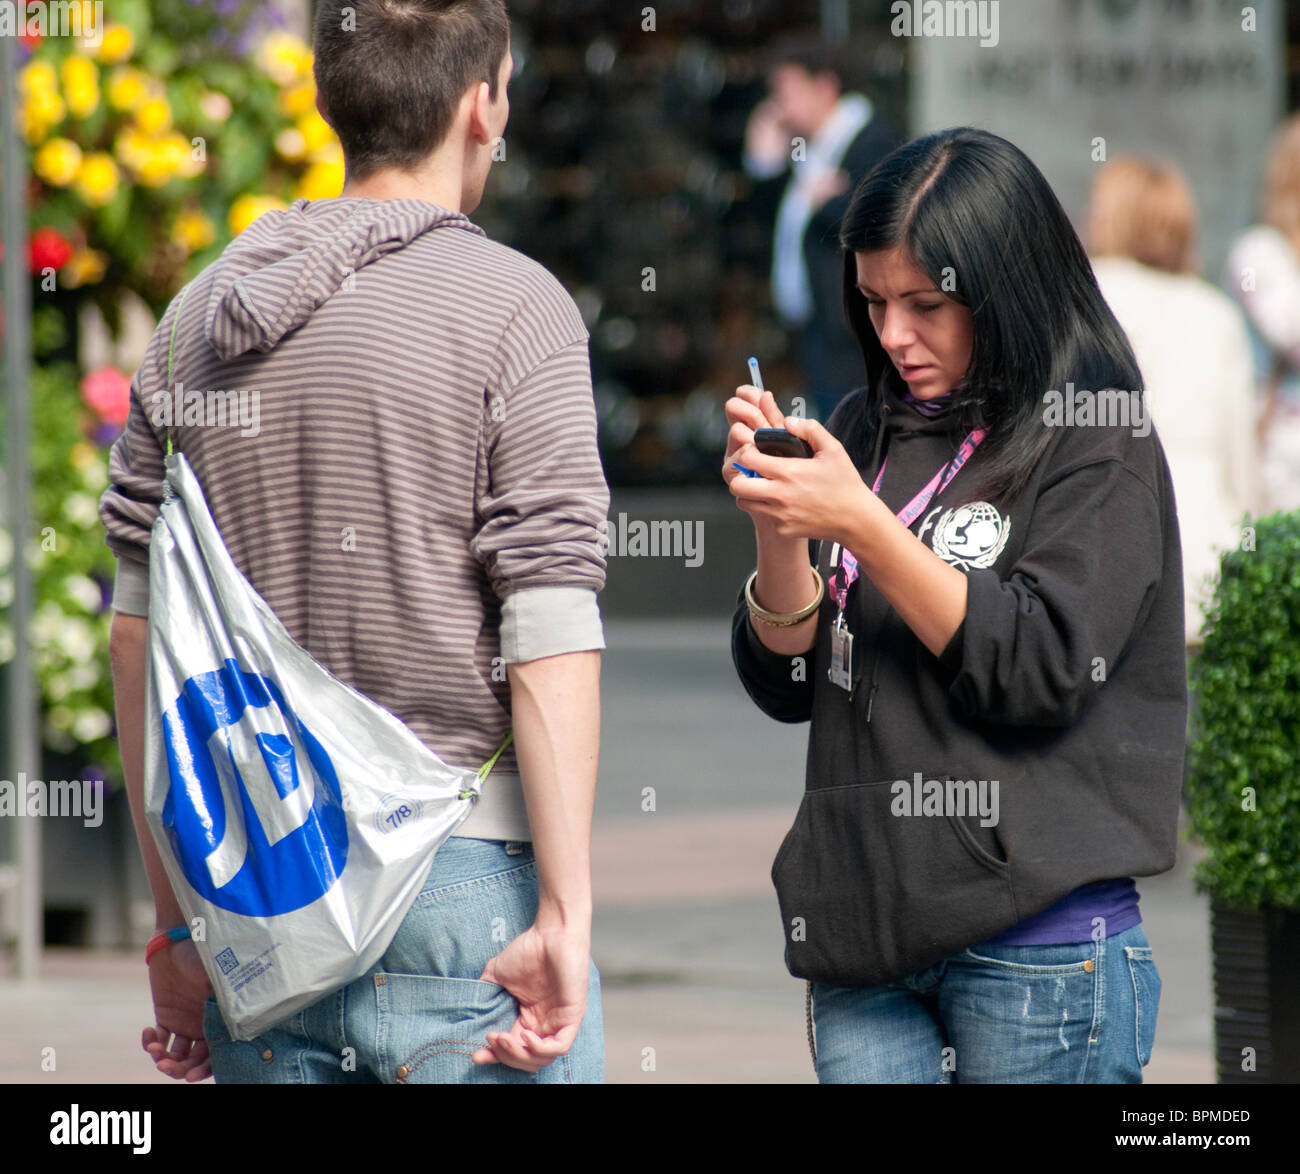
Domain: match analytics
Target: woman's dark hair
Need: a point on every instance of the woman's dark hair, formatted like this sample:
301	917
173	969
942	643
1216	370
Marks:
979	219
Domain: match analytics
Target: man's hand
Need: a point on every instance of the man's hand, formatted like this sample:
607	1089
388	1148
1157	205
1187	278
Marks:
822	186
176	976
767	138
180	988
548	974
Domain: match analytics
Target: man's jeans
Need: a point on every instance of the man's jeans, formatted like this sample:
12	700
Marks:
421	1012
1077	1014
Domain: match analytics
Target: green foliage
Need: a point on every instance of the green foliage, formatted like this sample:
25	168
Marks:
69	562
181	184
1243	789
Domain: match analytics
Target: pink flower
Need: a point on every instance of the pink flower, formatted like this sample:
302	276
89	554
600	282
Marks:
107	392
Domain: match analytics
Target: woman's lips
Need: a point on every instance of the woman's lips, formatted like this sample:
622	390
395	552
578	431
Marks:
911	372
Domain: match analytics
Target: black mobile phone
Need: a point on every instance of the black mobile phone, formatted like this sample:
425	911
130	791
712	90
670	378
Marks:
777	442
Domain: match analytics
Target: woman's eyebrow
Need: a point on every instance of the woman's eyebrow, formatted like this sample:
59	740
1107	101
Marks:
862	289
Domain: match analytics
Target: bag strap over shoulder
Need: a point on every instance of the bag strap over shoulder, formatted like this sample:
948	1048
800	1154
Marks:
171	359
486	768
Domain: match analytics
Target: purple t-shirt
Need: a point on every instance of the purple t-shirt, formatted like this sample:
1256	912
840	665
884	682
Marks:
1070	920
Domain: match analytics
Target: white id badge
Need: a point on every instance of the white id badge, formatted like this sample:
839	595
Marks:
841	670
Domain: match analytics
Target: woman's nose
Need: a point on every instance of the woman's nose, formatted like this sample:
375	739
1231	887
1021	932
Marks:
894	330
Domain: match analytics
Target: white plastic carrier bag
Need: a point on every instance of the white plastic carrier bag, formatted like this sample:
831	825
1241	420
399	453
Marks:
296	818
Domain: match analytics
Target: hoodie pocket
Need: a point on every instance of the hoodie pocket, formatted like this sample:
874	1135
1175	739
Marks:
868	896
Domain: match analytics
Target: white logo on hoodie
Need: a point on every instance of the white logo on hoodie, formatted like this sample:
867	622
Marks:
969	536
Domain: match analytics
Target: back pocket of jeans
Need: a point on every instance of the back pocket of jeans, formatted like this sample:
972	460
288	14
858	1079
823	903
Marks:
1146	997
429	1027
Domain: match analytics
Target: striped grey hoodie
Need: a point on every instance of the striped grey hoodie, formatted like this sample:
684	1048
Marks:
392	420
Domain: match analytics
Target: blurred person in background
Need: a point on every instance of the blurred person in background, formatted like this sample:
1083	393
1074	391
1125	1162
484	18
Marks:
1263	274
1191	343
820	141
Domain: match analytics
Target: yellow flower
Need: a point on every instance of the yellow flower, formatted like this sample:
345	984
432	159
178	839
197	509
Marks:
331	152
83	102
132	147
323	181
193	231
81	455
127	89
153	115
316	132
284	57
154	160
158	164
187	165
84	267
117	44
41	112
246	209
37	77
80	85
57	162
91	20
97	179
299	98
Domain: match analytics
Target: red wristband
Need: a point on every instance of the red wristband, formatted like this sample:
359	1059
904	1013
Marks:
165	938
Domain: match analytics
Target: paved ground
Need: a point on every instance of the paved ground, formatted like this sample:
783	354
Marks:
686	934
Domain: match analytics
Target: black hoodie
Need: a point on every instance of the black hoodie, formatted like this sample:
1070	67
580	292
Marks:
1065	684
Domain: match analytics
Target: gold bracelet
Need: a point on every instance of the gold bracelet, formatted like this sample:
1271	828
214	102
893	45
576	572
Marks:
775	619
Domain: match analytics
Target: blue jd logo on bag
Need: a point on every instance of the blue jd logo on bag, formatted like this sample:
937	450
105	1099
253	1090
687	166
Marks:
254	812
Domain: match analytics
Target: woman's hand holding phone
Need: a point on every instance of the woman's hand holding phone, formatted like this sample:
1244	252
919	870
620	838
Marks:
750	409
792	499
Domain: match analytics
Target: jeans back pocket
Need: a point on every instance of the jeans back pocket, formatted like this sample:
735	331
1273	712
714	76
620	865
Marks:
429	1027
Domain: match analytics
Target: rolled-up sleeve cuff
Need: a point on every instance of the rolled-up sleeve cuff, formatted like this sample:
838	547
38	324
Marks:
774	664
549	621
131	588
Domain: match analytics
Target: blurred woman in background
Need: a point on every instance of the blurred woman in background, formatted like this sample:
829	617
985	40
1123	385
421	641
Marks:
1263	274
1192	345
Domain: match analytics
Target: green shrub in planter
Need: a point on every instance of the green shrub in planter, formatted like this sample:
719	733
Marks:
1243	796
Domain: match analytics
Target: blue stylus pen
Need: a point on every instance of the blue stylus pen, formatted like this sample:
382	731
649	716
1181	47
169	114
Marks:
756	379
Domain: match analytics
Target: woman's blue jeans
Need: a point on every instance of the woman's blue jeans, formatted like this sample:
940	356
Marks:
1075	1014
421	1012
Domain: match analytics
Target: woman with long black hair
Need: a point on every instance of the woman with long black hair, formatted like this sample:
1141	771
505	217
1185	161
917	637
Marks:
987	638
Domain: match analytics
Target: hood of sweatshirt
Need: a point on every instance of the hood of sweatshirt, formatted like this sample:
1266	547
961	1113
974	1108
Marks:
280	269
906	414
932	433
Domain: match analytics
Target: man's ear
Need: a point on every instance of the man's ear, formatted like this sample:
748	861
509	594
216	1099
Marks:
480	114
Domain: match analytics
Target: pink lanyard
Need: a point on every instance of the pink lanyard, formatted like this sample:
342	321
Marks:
847	573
